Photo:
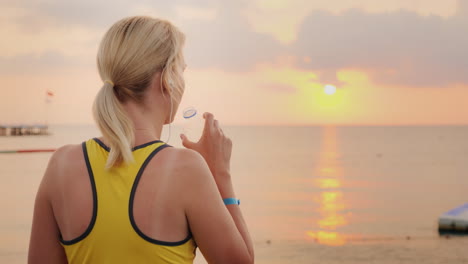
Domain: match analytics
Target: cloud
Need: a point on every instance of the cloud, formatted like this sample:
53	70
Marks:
281	18
75	28
462	7
228	43
403	48
38	64
396	47
196	13
43	35
400	48
279	88
97	14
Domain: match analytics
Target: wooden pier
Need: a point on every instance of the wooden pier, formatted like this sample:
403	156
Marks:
23	130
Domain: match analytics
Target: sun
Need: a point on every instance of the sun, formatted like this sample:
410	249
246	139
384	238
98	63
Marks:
329	89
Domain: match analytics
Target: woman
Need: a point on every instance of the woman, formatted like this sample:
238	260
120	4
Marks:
128	197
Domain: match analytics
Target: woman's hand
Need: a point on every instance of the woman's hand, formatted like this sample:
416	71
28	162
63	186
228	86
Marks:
214	146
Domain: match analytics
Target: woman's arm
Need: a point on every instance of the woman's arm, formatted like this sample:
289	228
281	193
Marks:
219	230
44	245
227	191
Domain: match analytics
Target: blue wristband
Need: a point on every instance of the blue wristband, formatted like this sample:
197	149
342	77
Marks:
228	201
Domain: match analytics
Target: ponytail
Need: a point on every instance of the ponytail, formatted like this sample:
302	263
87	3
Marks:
132	51
114	124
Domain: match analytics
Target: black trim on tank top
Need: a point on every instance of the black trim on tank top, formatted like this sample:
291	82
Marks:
93	188
132	197
133	149
146	144
101	144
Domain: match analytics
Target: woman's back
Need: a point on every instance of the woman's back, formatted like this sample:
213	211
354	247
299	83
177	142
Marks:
150	203
125	214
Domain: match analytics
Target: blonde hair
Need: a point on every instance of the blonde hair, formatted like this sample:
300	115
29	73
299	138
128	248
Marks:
132	51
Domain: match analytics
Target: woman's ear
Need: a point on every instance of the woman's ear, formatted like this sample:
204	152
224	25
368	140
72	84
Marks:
170	83
160	84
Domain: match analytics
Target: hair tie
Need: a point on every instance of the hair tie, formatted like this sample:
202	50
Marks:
109	82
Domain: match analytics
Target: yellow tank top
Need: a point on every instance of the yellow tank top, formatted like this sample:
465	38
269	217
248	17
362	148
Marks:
112	235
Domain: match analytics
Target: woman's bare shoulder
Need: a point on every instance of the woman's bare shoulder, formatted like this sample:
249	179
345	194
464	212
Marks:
65	160
67	155
184	159
63	163
190	174
187	166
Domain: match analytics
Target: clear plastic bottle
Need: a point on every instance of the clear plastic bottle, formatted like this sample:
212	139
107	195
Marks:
192	124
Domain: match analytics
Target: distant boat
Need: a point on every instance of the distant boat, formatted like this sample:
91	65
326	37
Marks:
455	221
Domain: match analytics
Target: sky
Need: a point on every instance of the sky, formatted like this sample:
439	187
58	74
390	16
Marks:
252	62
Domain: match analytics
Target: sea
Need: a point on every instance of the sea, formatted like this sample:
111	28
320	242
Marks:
331	194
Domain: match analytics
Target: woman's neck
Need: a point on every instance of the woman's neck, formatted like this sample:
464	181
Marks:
147	122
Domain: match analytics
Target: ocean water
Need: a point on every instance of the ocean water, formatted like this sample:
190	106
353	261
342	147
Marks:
309	194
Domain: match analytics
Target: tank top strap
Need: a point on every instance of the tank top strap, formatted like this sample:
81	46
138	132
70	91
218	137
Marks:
98	153
121	176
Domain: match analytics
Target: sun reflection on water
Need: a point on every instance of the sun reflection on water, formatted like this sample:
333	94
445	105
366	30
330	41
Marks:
330	200
327	238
